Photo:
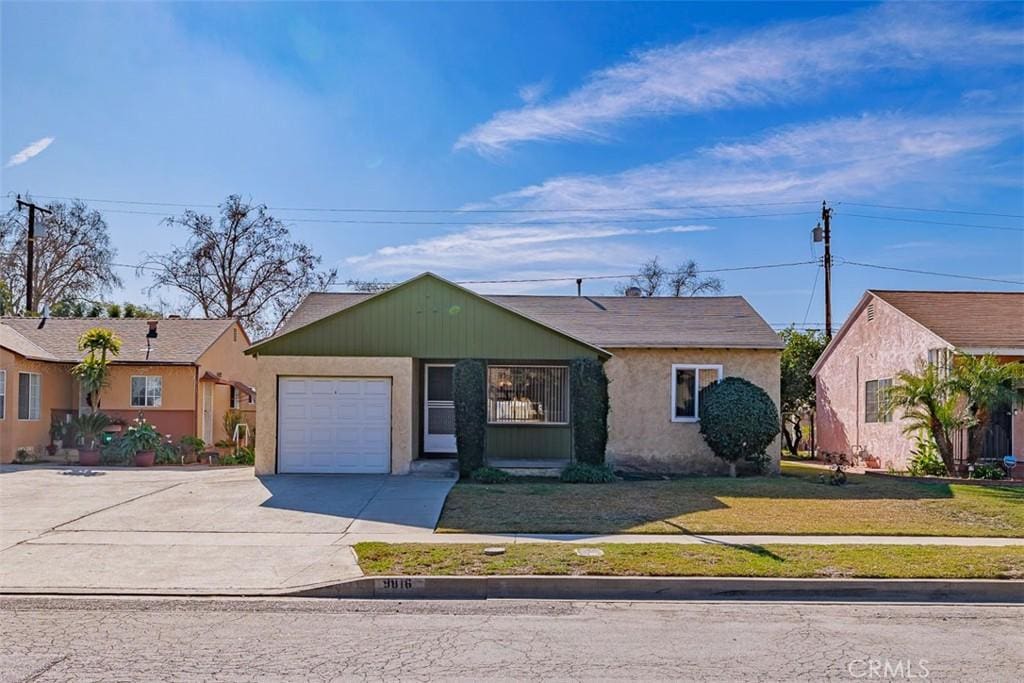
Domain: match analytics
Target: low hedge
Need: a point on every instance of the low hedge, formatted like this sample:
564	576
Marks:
582	473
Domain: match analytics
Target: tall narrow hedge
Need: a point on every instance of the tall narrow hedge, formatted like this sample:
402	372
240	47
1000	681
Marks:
469	387
588	394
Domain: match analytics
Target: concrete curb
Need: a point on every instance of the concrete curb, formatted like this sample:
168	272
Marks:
670	588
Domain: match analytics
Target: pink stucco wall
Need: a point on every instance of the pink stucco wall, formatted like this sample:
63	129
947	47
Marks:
876	349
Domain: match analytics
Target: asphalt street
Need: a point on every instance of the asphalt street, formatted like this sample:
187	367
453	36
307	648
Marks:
130	639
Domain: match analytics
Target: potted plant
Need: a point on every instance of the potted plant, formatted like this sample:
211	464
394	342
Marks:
90	430
57	431
142	440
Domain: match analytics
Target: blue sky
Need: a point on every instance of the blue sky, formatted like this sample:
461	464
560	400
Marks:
542	107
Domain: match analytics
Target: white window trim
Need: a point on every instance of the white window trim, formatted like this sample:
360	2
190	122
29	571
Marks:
696	397
3	395
131	394
39	397
525	423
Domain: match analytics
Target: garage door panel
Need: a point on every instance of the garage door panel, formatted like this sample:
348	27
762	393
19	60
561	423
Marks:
334	425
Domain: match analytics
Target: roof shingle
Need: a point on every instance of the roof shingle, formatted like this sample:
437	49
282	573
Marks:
179	340
965	319
608	321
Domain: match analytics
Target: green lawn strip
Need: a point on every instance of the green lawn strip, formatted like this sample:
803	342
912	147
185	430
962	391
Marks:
798	502
664	559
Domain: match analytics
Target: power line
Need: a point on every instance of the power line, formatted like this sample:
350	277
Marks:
524	223
919	220
928	210
930	272
602	209
814	288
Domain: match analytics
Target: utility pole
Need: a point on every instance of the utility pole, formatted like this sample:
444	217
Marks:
826	219
825	235
32	208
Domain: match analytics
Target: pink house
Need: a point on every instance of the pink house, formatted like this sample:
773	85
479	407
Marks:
892	331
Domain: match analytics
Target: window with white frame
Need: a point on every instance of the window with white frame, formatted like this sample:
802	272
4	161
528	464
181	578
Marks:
3	394
236	399
942	359
147	391
876	400
687	383
525	394
29	396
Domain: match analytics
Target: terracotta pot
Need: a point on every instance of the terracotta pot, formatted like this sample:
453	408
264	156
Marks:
145	458
88	457
190	459
873	463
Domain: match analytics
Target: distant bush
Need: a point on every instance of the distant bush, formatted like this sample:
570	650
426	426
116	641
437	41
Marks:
469	389
925	460
738	420
585	473
490	475
987	472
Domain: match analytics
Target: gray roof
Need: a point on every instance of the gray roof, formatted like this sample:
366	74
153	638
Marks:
179	340
608	321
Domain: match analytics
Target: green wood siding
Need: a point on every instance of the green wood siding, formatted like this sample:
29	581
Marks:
528	442
428	318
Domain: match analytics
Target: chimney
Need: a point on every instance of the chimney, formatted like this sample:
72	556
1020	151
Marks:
152	329
634	292
174	316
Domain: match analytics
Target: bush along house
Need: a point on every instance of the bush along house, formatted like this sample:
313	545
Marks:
371	383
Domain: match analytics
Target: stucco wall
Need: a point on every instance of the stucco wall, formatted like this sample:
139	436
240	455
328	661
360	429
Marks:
870	350
400	370
55	392
642	434
226	359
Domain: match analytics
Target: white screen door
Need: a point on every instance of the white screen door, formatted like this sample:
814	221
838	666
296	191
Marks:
438	410
208	413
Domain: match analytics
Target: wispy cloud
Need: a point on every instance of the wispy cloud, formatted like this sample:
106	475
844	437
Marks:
481	249
784	63
29	151
850	157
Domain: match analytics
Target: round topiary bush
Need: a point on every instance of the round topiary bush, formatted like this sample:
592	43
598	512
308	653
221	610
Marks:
738	420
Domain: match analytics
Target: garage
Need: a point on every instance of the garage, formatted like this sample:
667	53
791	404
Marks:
334	425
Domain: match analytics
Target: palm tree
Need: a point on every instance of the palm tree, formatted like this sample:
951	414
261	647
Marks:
988	385
92	372
933	402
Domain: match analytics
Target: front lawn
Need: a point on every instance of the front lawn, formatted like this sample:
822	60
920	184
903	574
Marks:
665	559
798	502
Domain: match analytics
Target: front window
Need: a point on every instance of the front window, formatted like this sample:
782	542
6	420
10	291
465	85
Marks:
527	394
29	398
876	402
147	391
687	383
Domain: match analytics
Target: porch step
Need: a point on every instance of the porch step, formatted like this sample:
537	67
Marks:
537	467
443	467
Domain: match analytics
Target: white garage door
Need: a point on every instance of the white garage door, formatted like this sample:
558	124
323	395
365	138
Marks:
331	424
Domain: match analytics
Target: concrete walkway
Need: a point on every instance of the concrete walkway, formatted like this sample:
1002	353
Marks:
196	530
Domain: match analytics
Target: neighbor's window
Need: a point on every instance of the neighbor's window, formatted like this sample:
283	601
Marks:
28	396
147	391
527	394
3	394
236	399
942	359
687	382
876	404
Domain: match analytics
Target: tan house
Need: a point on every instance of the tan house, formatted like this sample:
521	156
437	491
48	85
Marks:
893	331
363	383
181	374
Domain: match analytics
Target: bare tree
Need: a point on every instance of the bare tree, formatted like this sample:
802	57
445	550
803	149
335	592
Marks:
368	286
242	265
73	257
654	279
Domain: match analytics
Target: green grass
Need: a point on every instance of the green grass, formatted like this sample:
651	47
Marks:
798	502
664	559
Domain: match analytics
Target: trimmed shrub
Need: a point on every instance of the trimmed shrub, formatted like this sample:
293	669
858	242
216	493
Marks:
588	392
469	388
490	475
583	473
738	420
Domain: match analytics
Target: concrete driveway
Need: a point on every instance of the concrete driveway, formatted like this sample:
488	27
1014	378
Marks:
199	530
